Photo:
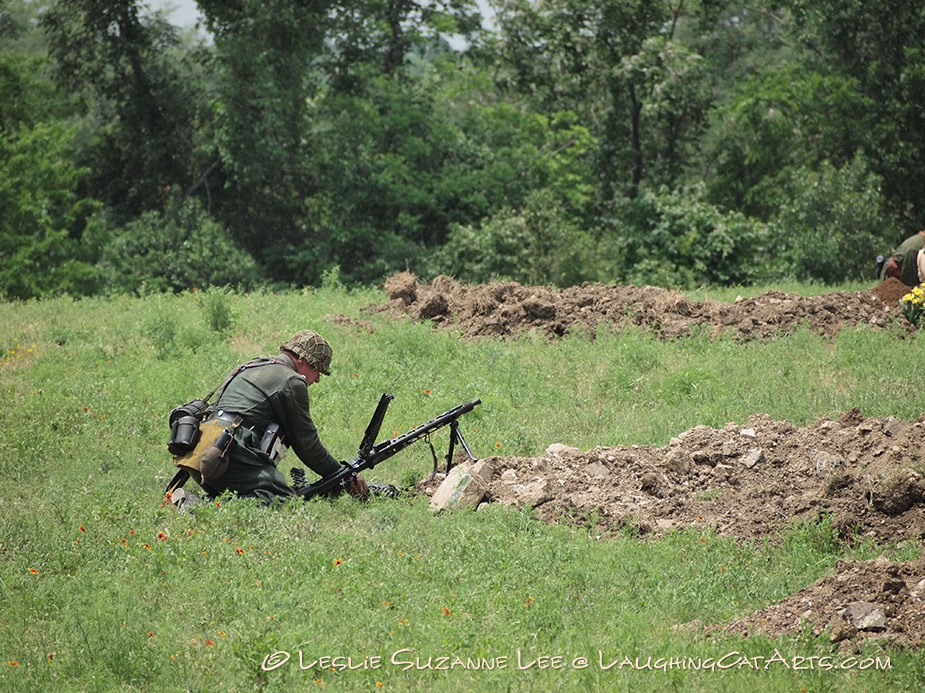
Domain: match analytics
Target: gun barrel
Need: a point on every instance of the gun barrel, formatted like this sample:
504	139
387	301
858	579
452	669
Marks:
387	448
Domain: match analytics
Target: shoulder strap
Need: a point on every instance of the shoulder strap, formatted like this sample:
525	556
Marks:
260	361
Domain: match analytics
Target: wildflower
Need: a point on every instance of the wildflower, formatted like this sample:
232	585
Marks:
12	663
379	684
51	656
33	571
161	536
168	497
149	634
189	532
338	561
529	601
426	392
238	550
403	622
147	546
82	529
497	445
132	532
222	633
209	643
446	612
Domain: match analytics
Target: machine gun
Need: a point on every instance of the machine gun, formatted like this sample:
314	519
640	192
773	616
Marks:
372	453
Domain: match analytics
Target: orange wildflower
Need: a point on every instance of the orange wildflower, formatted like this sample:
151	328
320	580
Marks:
238	550
338	561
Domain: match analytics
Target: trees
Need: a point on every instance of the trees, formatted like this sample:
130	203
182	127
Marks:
139	103
378	135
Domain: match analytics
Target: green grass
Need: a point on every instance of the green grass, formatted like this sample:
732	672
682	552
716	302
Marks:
131	596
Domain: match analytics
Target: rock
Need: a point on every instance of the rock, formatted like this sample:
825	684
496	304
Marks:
753	457
840	629
560	450
484	470
747	432
460	488
677	461
864	615
892	427
535	493
596	470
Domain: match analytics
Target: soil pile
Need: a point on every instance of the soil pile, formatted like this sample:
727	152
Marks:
504	309
747	481
871	600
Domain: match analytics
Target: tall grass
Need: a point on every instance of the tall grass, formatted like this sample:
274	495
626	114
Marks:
104	588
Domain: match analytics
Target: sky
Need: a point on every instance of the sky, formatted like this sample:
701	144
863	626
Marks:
184	13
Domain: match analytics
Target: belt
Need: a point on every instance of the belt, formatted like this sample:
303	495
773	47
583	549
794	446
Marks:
271	442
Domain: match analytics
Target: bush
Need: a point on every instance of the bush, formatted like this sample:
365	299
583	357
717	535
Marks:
539	244
172	251
677	239
835	222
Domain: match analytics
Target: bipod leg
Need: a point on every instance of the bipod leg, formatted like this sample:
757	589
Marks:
457	436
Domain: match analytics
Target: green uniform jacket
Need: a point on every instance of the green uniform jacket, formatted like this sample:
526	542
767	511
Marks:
271	392
904	259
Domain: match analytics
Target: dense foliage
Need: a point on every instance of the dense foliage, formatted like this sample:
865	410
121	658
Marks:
552	141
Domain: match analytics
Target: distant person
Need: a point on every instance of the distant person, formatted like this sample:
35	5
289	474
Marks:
266	401
903	262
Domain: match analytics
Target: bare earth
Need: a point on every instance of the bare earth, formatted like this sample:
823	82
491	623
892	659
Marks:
748	480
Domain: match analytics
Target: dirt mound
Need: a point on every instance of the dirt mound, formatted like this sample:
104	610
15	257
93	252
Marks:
505	309
747	481
870	600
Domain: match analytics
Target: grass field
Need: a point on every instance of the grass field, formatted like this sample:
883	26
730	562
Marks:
104	588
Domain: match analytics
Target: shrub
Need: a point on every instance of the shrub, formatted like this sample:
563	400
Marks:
172	251
834	221
677	239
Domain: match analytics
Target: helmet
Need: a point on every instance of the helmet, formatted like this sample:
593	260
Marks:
312	347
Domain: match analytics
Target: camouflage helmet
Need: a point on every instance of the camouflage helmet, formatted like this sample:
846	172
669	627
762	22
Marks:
311	347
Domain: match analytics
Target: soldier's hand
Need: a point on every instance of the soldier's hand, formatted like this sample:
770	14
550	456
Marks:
358	488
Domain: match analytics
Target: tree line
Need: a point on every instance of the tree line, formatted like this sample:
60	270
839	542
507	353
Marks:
668	142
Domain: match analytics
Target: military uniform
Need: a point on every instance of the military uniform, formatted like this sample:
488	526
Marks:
269	391
902	263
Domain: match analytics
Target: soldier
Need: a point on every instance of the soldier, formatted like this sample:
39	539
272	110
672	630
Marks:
902	264
270	395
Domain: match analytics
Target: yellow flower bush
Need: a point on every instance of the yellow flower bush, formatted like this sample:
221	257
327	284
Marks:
913	304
